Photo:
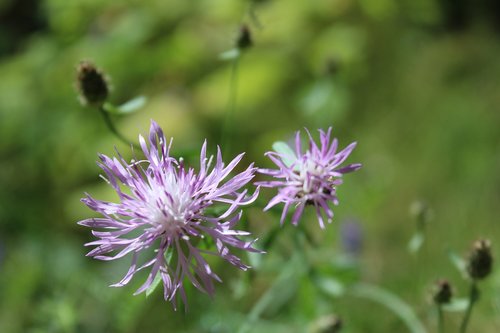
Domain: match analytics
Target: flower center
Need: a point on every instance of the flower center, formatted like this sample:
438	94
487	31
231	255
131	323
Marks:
171	207
312	178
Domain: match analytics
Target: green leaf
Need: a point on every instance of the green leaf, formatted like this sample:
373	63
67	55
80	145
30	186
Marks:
127	107
132	105
456	305
154	285
416	242
392	302
230	55
157	279
288	155
458	262
330	286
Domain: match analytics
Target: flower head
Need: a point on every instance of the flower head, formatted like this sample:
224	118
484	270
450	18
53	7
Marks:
167	208
308	178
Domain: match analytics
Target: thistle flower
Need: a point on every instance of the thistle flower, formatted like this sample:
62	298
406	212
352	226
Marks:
308	178
165	206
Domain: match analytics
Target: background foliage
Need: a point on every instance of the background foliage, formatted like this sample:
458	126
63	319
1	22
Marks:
416	83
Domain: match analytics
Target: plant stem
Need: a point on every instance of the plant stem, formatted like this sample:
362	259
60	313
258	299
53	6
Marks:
440	319
113	129
473	297
233	91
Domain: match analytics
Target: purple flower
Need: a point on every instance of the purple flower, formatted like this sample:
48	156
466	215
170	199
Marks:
308	178
166	214
351	236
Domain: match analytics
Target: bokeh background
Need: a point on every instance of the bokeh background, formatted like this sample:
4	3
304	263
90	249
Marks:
416	83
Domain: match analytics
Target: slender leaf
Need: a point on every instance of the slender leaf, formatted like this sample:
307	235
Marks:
392	302
127	107
132	105
456	305
154	285
157	279
330	286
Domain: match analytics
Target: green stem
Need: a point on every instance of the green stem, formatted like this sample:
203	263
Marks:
440	319
473	297
233	91
113	129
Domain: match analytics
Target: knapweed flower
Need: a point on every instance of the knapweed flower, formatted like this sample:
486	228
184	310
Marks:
167	213
308	178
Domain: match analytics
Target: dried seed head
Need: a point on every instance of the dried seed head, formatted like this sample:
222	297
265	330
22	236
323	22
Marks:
327	324
92	84
244	40
442	293
480	260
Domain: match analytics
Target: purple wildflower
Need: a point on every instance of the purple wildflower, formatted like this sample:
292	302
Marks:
166	207
351	236
308	178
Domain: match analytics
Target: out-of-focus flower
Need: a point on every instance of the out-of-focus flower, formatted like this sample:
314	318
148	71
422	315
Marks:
310	177
351	236
165	206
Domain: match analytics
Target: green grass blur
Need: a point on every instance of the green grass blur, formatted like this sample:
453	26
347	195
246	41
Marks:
415	83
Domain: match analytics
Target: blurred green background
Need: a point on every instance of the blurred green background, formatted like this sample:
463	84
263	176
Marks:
416	83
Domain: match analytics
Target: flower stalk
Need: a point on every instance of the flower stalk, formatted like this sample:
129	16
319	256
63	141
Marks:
473	298
111	126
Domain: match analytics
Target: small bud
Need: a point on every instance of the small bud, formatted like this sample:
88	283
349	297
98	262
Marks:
92	84
327	324
480	260
244	40
442	293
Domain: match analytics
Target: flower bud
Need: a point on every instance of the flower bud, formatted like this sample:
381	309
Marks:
92	84
480	260
244	40
327	324
442	292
